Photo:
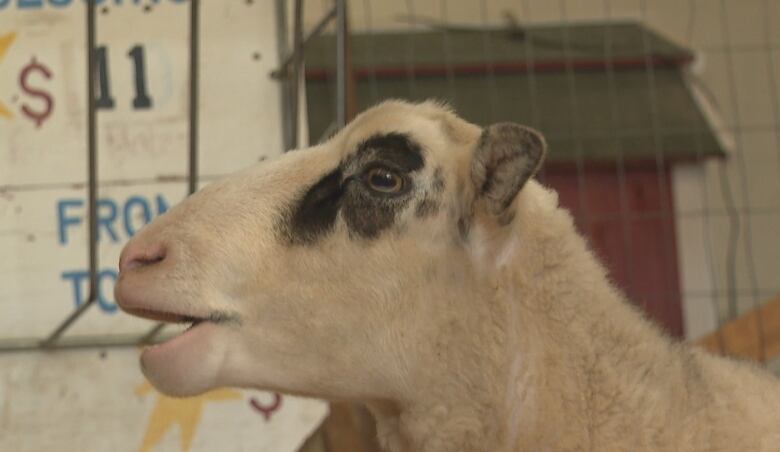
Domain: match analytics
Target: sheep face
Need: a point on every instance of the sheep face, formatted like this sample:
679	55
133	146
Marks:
327	271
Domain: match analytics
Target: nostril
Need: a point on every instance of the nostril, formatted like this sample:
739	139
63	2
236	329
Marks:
143	262
135	257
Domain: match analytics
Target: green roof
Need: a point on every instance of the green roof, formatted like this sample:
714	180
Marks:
559	79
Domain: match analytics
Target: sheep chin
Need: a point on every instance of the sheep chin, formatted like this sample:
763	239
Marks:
188	364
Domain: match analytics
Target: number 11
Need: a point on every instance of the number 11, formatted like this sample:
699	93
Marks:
104	99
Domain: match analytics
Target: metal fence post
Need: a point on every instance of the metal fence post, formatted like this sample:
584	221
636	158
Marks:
92	177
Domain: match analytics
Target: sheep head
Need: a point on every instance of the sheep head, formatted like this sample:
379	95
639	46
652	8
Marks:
332	271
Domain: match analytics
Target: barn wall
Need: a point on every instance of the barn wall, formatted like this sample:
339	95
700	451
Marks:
97	400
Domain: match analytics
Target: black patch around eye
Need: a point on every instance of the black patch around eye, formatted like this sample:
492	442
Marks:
367	214
366	217
315	214
395	148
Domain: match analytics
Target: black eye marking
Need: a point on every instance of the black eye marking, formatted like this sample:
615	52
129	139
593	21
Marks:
315	214
366	212
366	217
369	212
396	148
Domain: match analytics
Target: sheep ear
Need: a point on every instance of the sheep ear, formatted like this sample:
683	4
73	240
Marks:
506	156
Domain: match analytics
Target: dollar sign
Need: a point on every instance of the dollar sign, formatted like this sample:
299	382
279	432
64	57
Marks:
38	117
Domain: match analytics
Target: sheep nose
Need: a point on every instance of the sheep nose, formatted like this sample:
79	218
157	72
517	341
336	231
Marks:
139	254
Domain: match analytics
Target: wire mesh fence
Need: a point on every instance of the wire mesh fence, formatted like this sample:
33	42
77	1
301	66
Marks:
662	119
56	338
663	123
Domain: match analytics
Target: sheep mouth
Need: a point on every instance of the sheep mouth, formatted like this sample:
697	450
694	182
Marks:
172	317
163	352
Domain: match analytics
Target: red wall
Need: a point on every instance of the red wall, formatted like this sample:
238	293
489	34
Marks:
634	236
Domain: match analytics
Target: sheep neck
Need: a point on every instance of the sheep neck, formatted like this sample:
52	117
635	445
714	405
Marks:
579	362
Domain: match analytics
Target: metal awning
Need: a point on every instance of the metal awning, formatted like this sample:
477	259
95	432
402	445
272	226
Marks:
598	91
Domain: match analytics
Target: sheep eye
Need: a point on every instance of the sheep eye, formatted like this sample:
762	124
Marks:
384	180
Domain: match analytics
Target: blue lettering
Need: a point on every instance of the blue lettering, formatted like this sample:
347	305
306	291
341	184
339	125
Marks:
145	211
105	304
76	277
79	280
4	3
60	3
29	4
136	212
63	221
107	221
162	205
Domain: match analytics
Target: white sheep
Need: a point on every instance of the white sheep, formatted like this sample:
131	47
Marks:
411	263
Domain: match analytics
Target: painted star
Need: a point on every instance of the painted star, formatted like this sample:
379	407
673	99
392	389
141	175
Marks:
186	412
5	42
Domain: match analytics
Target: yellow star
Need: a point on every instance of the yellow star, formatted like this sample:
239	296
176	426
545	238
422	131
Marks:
185	412
5	43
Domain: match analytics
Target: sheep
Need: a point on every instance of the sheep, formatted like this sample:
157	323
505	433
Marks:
413	264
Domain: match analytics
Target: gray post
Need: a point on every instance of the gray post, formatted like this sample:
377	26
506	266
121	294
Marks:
341	63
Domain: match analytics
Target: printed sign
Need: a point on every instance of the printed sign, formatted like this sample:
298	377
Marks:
142	97
99	401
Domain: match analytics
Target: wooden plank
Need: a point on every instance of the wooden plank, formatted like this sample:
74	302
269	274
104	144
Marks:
742	337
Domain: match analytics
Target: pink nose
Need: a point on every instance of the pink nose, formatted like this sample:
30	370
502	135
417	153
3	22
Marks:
139	254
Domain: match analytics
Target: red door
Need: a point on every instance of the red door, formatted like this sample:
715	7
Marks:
630	225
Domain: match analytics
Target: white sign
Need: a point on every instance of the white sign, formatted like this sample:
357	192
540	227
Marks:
99	401
84	400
